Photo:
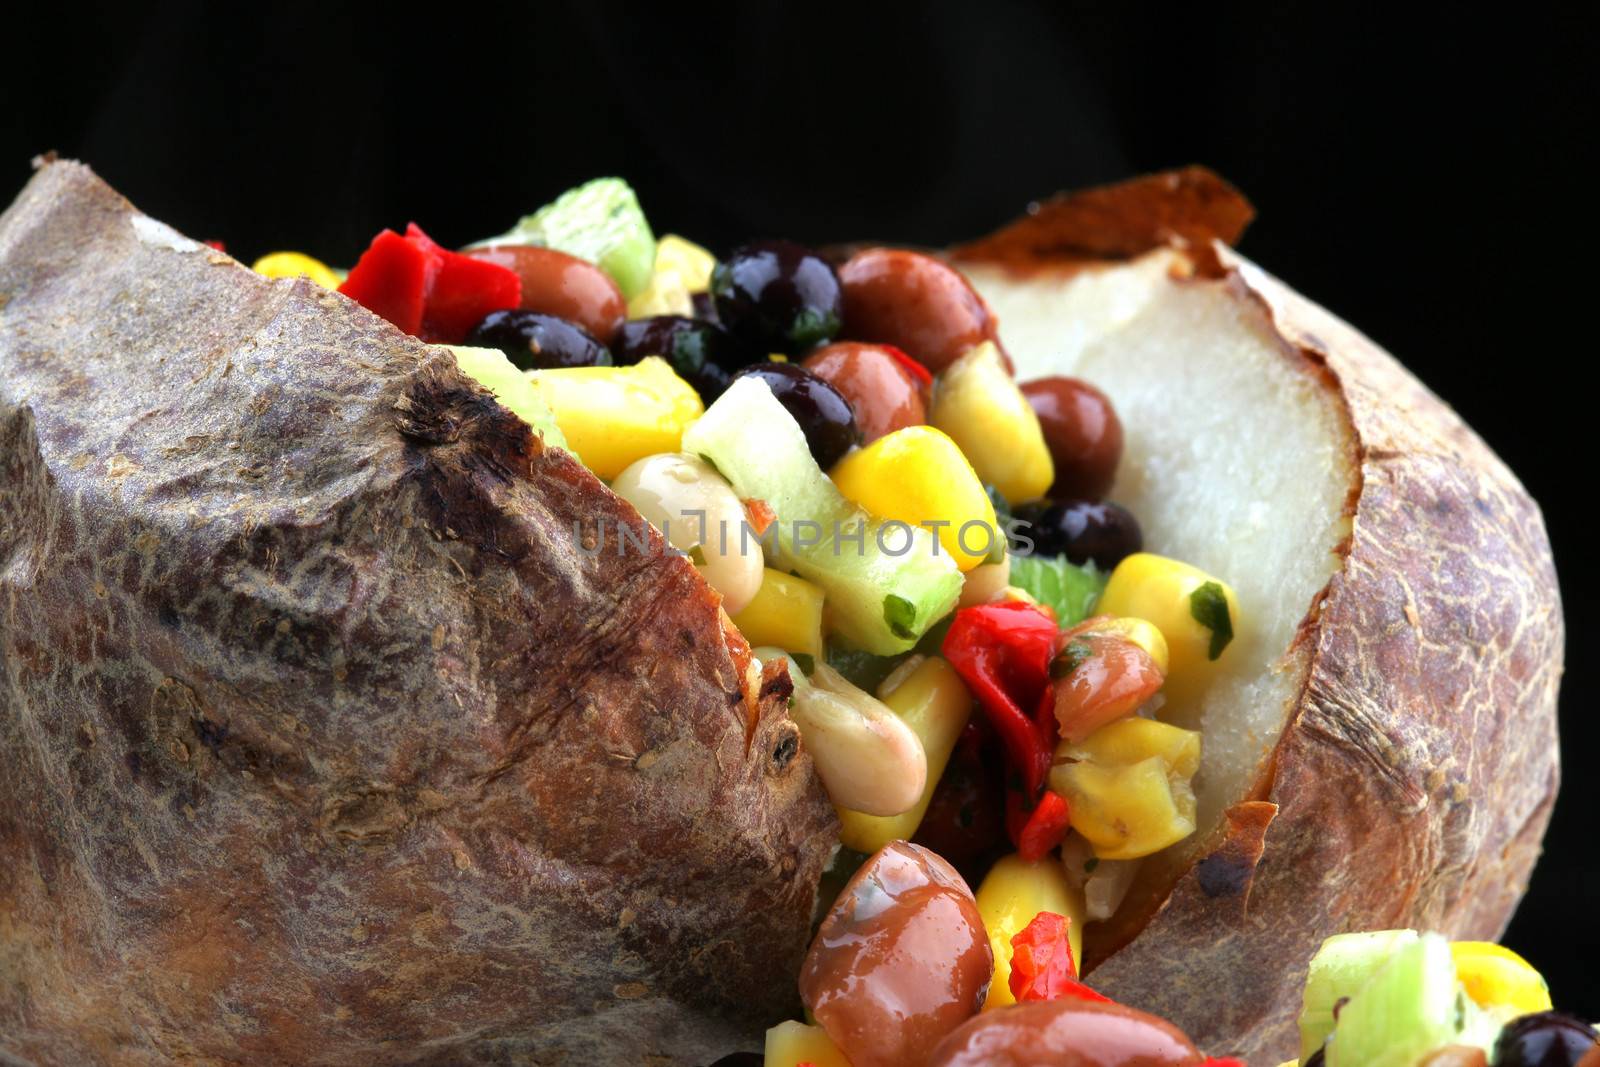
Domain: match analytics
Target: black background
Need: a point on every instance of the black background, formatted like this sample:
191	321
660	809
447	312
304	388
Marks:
1423	182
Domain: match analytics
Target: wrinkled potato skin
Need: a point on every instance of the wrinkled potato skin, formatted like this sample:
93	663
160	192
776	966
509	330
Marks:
322	741
1415	779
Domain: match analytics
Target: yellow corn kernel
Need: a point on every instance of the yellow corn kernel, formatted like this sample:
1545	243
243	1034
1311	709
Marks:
692	263
792	1043
786	613
1128	786
934	702
1129	811
1496	977
1012	893
490	368
295	265
1133	739
978	404
919	476
663	294
1173	596
682	268
1142	633
612	416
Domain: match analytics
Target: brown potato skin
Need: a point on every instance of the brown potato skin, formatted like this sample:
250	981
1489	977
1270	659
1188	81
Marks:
322	742
1416	776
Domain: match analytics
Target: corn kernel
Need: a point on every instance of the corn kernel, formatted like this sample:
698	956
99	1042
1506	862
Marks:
296	265
1133	739
1012	893
919	476
792	1043
978	404
1496	977
1129	789
692	263
612	416
1176	597
934	702
786	613
681	269
1128	811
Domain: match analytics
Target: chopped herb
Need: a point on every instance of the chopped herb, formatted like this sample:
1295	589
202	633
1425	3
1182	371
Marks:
1209	606
1070	658
1070	591
697	556
1090	864
804	660
899	614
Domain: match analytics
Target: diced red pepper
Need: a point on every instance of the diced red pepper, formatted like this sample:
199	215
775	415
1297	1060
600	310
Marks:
1038	831
1002	651
391	279
429	291
214	243
760	514
1042	967
1222	1061
463	292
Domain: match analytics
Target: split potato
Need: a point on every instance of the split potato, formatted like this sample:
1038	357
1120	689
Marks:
324	740
1380	751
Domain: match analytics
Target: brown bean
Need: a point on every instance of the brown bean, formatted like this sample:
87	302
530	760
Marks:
920	305
554	283
1083	433
900	961
1066	1033
885	395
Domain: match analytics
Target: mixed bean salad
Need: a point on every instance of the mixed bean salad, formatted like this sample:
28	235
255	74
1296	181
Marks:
981	651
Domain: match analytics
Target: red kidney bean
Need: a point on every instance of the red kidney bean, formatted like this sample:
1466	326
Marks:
554	283
1083	433
1066	1033
900	961
885	395
917	303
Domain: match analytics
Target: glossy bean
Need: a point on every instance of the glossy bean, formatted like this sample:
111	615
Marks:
554	283
1066	1033
867	757
885	395
1083	433
682	495
900	961
915	302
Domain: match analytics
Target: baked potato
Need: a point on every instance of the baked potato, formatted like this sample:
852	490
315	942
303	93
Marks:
325	741
1382	751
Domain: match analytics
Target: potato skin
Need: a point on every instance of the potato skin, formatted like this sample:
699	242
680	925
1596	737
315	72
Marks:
322	741
1416	777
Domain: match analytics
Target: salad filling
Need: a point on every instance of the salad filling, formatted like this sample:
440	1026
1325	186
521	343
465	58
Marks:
995	680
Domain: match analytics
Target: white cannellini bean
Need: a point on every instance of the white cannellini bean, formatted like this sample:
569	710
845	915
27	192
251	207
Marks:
986	583
867	757
697	508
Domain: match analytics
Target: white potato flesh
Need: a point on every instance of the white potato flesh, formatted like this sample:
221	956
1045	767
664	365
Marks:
1238	460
